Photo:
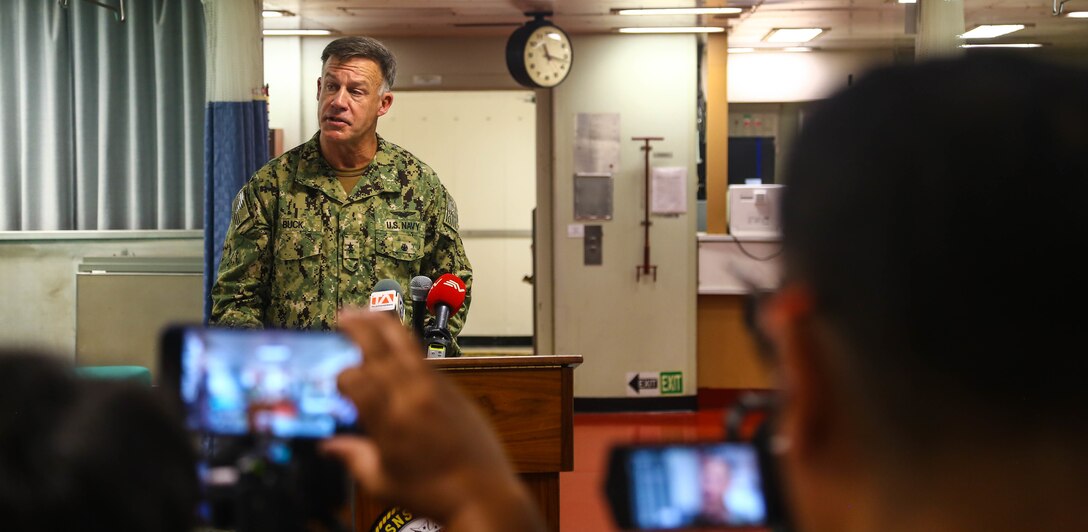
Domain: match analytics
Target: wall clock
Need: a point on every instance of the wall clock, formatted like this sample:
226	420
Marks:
539	54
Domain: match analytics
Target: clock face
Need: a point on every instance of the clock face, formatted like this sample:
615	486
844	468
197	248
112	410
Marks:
547	56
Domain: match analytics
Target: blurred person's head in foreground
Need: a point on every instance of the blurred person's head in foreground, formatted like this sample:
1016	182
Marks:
932	363
89	455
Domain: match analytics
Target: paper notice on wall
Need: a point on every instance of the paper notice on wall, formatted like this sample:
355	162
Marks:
597	143
669	192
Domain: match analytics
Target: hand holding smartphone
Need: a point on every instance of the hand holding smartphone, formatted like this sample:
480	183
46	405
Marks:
235	382
259	402
686	485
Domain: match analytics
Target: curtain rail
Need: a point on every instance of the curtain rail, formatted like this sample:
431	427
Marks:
119	9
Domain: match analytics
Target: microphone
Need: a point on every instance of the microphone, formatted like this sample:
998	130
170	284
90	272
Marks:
387	297
445	299
419	288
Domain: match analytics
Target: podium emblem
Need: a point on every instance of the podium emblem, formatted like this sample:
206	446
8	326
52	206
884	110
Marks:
401	520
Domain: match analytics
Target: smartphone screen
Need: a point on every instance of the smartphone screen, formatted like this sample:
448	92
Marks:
235	382
660	487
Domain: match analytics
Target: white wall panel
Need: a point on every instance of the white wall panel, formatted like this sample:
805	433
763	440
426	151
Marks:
285	89
482	146
502	304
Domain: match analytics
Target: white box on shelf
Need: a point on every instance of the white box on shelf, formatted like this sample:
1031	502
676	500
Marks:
754	210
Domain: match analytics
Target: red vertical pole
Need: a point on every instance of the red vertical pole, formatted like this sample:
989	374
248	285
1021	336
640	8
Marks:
646	267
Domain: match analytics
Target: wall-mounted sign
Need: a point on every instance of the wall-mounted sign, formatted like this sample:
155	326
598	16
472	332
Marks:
651	384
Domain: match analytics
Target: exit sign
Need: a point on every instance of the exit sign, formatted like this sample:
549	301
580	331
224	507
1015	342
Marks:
648	384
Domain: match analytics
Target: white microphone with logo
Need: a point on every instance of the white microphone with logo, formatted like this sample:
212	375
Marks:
387	297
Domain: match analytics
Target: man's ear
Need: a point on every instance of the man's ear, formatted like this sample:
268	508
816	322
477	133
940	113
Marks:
319	88
807	410
387	102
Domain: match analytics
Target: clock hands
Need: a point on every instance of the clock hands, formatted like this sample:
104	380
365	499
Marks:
551	57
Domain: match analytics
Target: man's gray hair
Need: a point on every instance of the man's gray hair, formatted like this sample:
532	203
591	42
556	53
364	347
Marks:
346	48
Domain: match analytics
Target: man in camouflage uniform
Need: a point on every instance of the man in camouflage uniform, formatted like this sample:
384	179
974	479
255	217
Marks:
316	228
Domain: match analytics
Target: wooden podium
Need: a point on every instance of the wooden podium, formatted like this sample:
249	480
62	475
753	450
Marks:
529	400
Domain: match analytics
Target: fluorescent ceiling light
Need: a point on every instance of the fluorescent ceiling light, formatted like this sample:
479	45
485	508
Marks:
1077	14
296	33
682	11
797	49
908	1
275	13
989	31
793	34
741	50
1009	45
675	29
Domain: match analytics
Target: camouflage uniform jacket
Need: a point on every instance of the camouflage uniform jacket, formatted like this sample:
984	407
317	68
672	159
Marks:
299	247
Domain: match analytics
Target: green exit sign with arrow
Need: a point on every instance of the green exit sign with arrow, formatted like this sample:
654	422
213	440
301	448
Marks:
651	384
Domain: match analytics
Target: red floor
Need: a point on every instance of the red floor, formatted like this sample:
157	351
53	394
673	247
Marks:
582	504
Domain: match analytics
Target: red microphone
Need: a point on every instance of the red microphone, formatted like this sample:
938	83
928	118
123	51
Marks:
444	300
448	289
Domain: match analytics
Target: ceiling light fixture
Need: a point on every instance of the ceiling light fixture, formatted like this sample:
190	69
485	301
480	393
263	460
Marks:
675	29
1008	45
908	1
1077	14
741	50
793	34
276	13
681	11
797	49
296	33
989	31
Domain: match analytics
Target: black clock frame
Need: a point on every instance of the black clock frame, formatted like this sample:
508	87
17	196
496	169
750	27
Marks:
515	51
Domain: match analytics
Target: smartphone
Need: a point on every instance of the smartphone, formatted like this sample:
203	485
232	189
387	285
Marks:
240	382
686	485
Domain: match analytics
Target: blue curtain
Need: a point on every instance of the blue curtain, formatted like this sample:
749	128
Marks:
236	119
235	146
